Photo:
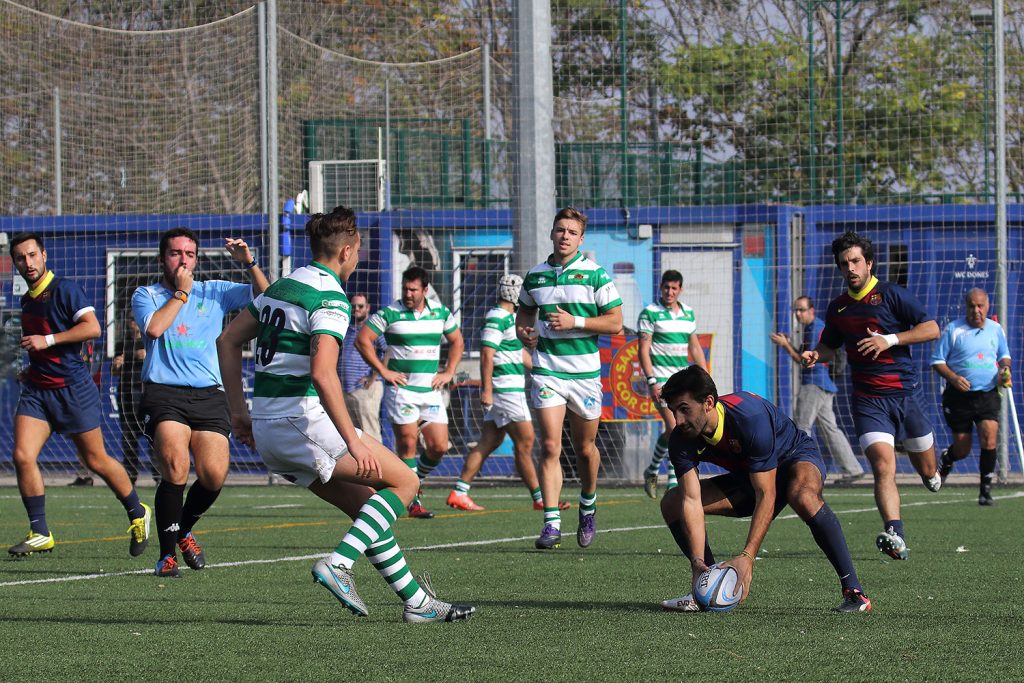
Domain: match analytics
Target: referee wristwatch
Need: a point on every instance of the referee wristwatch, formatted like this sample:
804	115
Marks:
181	295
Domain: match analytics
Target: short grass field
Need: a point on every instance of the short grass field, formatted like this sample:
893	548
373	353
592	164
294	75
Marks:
88	611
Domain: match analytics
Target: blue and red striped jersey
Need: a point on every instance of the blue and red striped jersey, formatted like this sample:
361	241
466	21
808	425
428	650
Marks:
752	436
57	308
884	308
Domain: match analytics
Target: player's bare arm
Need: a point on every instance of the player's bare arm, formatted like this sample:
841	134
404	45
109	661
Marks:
240	252
644	354
821	354
693	520
87	327
456	345
606	323
230	343
695	353
764	508
487	376
163	317
876	342
526	320
782	341
324	350
364	345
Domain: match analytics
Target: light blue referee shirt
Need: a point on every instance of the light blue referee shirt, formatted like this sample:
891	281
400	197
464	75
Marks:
186	354
972	352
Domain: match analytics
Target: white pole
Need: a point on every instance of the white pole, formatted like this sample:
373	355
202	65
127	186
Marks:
1016	425
1002	242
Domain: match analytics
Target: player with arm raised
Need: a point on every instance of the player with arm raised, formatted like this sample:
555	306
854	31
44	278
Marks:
414	327
58	395
300	424
877	322
565	303
668	344
770	464
183	406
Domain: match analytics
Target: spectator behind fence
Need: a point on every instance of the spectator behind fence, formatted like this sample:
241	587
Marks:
363	391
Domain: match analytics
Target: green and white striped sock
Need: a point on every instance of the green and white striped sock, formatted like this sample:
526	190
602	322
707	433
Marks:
426	466
537	496
374	519
660	451
672	483
462	486
389	561
588	503
411	462
553	517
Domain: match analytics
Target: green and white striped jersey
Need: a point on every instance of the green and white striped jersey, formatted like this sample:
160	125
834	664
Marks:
499	333
670	334
306	302
414	339
582	288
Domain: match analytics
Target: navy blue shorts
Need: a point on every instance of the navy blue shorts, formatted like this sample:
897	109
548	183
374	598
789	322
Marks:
736	485
900	416
74	409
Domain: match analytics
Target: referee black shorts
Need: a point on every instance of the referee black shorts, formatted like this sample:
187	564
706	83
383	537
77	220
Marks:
203	410
962	409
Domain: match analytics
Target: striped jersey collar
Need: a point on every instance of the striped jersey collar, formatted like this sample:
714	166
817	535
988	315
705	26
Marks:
720	429
574	259
41	284
317	264
857	296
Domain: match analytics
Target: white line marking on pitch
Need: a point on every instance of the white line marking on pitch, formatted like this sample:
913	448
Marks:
439	546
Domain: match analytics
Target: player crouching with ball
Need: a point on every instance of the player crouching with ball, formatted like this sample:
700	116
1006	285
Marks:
770	464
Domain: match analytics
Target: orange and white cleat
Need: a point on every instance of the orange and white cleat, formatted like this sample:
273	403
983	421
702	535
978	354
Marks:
462	501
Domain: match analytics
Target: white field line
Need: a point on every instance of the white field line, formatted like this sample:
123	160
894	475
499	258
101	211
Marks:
447	546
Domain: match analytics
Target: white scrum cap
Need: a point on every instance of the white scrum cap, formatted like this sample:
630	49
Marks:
508	288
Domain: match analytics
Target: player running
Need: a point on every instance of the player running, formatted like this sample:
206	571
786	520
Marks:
668	344
571	300
503	366
770	464
58	394
302	429
877	322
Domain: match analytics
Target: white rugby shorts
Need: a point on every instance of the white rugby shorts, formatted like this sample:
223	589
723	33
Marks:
300	449
582	396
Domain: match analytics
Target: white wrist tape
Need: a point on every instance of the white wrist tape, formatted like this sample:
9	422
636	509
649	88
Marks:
891	339
579	322
50	341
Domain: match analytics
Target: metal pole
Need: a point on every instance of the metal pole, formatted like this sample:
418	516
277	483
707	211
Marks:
1002	243
274	189
623	103
58	181
486	57
261	30
840	163
387	140
812	161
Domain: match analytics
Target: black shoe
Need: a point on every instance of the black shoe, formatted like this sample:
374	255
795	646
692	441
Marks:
945	464
985	497
81	481
192	552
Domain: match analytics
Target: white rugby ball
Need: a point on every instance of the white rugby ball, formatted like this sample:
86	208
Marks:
718	589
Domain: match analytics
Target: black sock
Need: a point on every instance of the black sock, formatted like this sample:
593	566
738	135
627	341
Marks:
897	526
828	534
197	502
133	506
683	541
167	506
987	467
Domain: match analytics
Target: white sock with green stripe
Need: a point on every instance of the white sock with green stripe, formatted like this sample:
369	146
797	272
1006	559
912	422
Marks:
672	482
537	496
462	486
553	517
588	503
374	519
389	561
426	466
660	452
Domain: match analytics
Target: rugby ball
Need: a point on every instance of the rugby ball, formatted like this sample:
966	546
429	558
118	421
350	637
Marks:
718	589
